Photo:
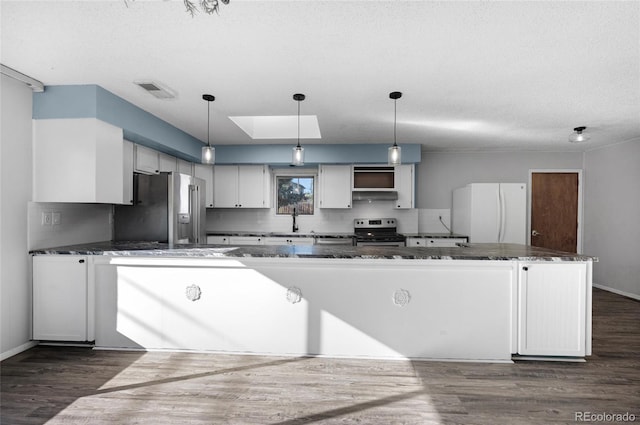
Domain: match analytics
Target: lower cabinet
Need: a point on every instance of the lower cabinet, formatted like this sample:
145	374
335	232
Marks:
552	305
218	240
434	242
273	240
246	240
60	295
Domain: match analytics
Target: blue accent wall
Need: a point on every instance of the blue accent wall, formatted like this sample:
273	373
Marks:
139	126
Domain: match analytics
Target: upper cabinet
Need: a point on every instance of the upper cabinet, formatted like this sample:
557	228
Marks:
79	160
167	163
185	167
205	172
335	186
146	160
241	186
404	184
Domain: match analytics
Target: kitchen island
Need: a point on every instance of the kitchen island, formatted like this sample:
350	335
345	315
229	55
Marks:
485	302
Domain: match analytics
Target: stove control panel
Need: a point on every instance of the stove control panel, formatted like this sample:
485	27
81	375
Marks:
374	223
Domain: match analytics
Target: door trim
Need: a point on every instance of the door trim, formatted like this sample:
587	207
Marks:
580	208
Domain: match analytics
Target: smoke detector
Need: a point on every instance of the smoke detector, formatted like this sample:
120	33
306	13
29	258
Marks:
156	89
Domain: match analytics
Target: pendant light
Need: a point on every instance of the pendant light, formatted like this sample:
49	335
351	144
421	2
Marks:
578	136
208	152
298	151
395	151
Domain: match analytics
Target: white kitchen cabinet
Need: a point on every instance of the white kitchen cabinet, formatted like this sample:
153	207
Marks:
282	240
434	242
167	163
78	160
335	186
241	186
185	167
218	240
127	172
246	240
552	301
146	160
60	298
404	185
205	172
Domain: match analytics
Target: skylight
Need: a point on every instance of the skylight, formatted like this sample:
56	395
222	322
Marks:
279	127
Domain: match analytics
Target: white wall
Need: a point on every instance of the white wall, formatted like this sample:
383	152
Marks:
441	172
612	216
15	193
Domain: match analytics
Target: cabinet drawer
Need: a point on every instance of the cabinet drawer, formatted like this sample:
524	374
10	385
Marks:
218	240
435	242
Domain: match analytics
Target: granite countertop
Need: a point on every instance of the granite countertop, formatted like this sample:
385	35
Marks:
466	252
282	234
436	235
328	235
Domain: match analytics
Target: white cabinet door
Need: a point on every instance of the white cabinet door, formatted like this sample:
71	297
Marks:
240	186
404	180
77	160
205	172
252	186
167	163
335	186
225	186
127	172
246	240
552	309
147	161
434	242
60	298
185	167
282	240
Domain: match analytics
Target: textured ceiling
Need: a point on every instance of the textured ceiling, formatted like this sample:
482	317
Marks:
475	75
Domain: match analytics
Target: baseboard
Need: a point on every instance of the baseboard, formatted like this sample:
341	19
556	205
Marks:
18	350
617	291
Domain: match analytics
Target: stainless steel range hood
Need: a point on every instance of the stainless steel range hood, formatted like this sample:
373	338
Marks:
374	195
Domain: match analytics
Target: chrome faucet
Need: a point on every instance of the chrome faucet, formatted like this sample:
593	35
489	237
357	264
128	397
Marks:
293	215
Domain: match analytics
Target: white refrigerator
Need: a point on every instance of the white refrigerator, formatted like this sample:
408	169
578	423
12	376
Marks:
491	212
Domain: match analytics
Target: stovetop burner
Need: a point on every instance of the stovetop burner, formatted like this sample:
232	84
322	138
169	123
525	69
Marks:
377	230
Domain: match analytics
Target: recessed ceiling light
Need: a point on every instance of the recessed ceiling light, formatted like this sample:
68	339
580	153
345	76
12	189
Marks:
156	89
279	126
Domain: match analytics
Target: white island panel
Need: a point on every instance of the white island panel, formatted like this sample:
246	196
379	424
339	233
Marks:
331	307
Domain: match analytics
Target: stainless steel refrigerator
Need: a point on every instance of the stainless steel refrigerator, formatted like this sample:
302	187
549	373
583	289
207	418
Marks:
168	207
491	212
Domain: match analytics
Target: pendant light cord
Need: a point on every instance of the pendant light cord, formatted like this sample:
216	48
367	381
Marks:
298	124
395	120
208	122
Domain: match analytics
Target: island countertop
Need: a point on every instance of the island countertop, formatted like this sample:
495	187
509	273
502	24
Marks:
506	252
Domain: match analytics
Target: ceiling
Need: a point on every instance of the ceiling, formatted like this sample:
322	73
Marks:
481	75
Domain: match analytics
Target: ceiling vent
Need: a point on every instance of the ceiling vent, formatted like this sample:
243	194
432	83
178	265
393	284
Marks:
156	89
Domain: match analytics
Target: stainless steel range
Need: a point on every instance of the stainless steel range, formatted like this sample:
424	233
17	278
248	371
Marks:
377	232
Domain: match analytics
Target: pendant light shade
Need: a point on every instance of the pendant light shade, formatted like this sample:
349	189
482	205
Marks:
298	151
395	152
578	136
208	152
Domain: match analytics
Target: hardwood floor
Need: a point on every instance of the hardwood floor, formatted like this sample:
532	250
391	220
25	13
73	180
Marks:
56	385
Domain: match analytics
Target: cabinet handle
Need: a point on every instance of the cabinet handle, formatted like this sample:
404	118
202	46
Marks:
80	261
525	268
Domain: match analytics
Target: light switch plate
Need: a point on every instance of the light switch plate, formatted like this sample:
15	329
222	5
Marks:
47	218
55	218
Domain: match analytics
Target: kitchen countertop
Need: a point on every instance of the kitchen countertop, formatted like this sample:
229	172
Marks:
504	252
282	234
435	235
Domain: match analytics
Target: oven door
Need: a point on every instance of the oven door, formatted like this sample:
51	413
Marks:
379	243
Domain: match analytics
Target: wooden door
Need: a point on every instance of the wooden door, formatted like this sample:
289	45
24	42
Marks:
554	210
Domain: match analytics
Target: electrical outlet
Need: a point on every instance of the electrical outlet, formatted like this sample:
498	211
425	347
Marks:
55	218
47	218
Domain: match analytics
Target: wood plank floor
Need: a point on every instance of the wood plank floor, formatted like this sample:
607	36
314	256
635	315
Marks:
53	385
